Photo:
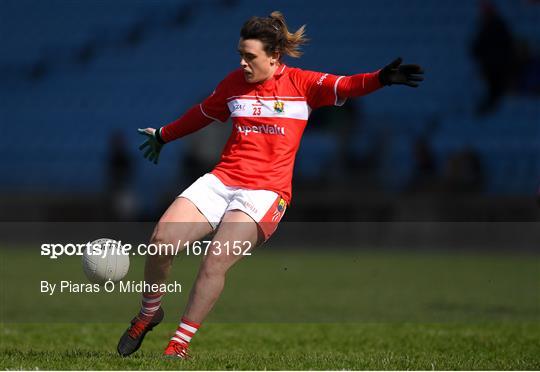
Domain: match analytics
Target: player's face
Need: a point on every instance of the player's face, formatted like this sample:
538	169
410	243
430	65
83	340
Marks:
258	66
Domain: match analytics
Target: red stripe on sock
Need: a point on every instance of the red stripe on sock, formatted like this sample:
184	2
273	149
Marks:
190	323
152	295
185	331
150	304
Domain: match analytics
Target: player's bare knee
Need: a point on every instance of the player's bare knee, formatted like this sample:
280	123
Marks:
163	242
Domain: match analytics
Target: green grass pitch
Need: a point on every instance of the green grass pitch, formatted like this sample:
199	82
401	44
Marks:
291	310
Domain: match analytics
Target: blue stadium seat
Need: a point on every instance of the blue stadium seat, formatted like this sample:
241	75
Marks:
62	116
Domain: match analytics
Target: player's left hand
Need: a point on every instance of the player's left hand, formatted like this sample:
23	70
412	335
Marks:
396	73
152	142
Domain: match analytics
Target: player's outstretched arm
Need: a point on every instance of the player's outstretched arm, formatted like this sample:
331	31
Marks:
396	73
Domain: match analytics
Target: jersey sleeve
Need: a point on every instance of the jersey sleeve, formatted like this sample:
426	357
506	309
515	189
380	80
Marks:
215	106
319	88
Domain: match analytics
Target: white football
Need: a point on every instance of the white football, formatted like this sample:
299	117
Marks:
105	261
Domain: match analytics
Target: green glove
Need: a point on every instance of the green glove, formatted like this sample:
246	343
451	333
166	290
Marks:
153	142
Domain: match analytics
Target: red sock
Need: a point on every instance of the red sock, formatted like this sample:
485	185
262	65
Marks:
150	303
185	331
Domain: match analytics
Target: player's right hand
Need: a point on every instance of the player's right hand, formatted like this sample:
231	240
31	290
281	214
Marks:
153	144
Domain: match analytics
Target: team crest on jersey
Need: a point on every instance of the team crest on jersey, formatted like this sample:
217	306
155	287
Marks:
279	107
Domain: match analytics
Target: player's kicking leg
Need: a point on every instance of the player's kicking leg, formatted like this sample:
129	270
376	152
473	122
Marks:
235	226
182	221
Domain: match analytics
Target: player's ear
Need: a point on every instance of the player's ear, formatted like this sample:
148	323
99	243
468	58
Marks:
274	58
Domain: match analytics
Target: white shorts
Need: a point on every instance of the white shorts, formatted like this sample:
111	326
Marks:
214	199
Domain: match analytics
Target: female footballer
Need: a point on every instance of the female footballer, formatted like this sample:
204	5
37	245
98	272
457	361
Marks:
242	200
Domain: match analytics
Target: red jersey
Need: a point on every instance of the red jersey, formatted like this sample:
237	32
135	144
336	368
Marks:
268	121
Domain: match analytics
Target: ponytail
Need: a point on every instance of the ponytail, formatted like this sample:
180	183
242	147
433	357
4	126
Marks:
273	32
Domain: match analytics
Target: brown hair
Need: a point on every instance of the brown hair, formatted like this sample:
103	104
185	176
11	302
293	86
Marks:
272	31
